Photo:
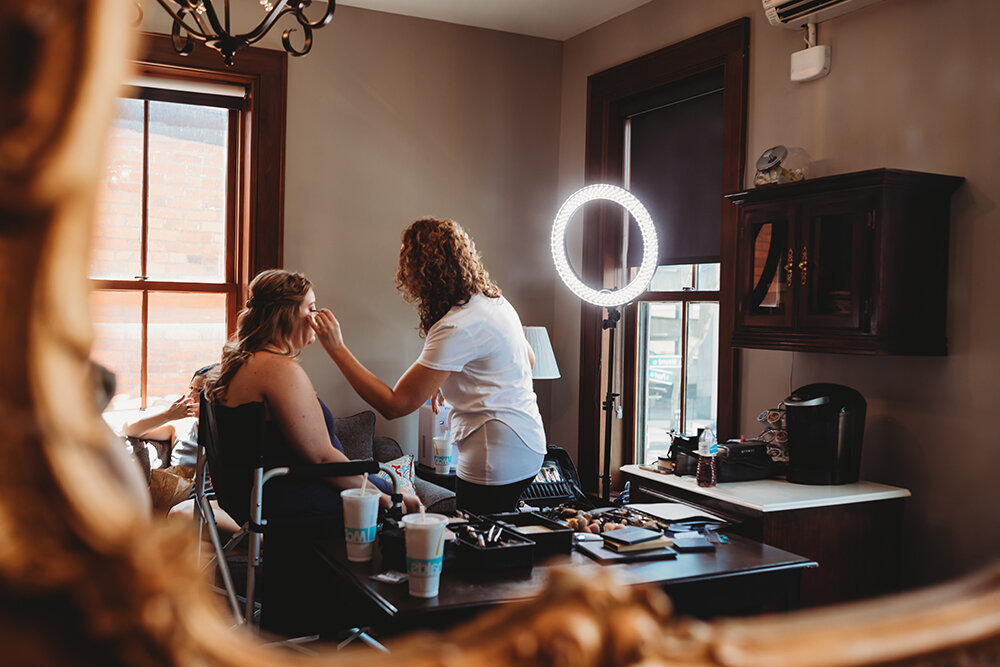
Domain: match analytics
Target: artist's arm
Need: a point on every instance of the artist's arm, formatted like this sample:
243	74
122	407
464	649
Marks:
415	386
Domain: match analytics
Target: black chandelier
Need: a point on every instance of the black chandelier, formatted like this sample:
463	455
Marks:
198	20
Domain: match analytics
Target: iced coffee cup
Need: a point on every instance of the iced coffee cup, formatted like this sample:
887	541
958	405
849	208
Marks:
442	454
360	522
424	552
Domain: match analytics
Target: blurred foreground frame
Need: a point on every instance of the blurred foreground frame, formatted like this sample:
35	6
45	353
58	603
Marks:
86	577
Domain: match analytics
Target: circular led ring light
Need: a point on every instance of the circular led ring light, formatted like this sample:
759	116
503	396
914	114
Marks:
650	249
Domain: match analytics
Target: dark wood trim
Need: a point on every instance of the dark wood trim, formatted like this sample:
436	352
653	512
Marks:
161	286
144	222
727	47
233	216
264	73
144	349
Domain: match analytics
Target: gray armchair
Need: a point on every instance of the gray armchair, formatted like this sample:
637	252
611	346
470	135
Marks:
357	435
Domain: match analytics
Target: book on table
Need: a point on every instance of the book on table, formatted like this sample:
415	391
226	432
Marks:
646	545
631	535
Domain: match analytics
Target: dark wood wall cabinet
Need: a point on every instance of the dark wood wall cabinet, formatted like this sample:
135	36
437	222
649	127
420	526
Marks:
852	263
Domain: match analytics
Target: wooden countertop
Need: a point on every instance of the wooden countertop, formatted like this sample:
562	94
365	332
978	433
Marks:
776	495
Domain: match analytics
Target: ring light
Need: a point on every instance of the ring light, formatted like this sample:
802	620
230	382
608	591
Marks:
650	250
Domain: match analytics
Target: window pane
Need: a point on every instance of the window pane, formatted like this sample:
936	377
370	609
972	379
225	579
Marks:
660	366
672	278
115	253
186	331
702	366
118	342
187	192
708	277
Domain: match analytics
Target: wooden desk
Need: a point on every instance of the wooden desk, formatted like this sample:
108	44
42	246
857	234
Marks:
739	577
852	530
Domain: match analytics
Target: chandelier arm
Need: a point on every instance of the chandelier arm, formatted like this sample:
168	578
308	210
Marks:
182	48
304	21
265	25
286	40
198	32
213	20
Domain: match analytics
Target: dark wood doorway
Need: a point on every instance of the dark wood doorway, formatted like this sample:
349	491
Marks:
612	95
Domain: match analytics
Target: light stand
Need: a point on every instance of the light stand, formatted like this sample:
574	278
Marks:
609	299
610	323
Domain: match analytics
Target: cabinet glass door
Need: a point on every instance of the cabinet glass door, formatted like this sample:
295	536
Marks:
767	271
831	263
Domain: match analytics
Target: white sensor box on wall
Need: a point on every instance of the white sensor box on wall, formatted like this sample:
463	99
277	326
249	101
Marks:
811	63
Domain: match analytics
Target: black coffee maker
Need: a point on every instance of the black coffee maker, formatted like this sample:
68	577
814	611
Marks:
825	424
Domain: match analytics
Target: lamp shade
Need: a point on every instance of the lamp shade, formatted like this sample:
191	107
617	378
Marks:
545	361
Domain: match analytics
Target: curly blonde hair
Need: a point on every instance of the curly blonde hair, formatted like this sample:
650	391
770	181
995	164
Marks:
267	321
439	268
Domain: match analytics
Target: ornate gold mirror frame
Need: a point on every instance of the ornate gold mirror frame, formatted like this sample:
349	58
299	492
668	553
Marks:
87	578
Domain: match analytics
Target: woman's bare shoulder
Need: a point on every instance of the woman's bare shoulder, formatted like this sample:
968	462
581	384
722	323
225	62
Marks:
275	368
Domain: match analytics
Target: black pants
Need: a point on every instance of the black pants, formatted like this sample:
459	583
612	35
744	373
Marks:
483	499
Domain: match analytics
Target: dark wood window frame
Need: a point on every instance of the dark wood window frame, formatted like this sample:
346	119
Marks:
609	91
255	222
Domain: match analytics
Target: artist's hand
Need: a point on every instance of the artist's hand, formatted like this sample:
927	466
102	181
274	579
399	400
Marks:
327	330
437	400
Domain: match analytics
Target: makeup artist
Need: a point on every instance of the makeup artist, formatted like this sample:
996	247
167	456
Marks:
475	355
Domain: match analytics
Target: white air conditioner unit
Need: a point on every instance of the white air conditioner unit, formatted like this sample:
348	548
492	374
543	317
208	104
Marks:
797	14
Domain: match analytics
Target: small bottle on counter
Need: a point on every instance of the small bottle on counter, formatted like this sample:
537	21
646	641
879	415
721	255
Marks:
706	474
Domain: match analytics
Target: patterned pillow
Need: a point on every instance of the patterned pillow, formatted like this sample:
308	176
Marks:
404	468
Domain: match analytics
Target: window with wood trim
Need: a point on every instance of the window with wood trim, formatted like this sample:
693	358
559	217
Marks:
688	310
188	212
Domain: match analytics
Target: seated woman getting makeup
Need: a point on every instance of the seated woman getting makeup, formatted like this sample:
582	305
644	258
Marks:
259	366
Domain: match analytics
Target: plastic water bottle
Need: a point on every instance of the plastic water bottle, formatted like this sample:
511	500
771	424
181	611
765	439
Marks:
706	474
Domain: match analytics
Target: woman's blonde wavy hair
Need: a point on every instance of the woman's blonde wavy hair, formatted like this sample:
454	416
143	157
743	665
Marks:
267	321
439	268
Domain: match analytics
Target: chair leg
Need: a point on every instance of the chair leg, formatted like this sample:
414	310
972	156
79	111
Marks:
208	519
361	634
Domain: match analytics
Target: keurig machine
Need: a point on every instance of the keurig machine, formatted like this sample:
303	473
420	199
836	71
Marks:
825	423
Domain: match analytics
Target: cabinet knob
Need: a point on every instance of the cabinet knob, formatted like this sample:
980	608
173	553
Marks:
804	265
788	268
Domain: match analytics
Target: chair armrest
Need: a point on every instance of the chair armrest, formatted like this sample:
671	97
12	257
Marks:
336	469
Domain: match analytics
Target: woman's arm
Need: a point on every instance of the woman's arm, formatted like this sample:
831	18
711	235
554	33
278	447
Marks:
156	427
416	385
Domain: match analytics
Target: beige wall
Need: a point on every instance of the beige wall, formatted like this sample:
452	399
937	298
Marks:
391	118
914	84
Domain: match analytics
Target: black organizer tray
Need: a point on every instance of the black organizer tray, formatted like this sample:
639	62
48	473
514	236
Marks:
517	552
554	538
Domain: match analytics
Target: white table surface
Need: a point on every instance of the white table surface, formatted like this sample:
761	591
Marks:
776	495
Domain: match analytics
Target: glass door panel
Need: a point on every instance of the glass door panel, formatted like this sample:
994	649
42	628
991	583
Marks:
767	271
832	260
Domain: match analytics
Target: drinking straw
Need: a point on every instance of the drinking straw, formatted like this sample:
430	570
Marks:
364	484
423	517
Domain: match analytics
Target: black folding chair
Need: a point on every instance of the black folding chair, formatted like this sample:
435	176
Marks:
233	452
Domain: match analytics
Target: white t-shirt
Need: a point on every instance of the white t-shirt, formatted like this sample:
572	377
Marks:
483	345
